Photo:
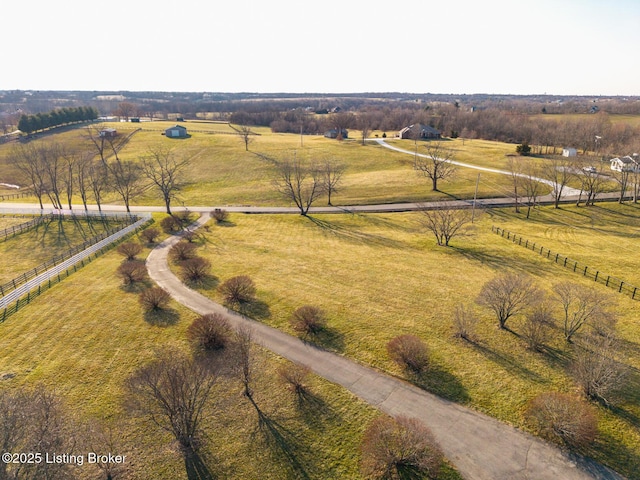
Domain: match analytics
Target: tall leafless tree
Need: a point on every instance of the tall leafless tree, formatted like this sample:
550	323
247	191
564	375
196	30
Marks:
27	160
558	172
299	183
163	169
435	164
246	134
331	176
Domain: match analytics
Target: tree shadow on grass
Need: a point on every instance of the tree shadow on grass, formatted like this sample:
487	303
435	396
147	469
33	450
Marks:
196	468
136	287
314	410
497	261
326	339
440	382
162	318
256	309
283	444
352	235
208	282
508	363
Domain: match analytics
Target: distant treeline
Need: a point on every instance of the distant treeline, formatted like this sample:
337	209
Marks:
55	118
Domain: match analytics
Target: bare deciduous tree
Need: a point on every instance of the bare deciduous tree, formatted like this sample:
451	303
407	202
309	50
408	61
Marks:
464	322
163	170
596	370
508	294
444	221
172	392
558	172
299	183
246	134
308	320
583	305
435	164
563	418
410	352
536	328
399	448
331	176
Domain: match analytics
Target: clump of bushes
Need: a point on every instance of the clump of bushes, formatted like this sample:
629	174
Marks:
238	290
150	235
154	299
308	320
410	352
182	251
294	377
132	271
563	419
209	332
219	215
399	447
195	269
129	250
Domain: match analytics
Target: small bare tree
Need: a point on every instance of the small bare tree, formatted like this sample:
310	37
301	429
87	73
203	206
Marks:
507	295
537	325
308	320
154	299
129	249
410	352
444	221
464	322
299	183
245	133
558	173
436	164
132	271
583	306
238	290
596	370
331	176
210	332
399	447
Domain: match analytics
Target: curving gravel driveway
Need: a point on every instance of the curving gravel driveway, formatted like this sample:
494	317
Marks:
479	446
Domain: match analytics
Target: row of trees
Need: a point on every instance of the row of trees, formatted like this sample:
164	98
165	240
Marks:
55	118
58	173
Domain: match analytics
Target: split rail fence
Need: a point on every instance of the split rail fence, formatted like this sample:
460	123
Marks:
589	272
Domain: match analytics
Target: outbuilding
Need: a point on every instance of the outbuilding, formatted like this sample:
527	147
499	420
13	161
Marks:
420	131
177	131
569	152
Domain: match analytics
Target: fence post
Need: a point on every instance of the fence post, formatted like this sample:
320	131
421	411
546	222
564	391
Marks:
620	289
596	277
575	266
607	282
633	295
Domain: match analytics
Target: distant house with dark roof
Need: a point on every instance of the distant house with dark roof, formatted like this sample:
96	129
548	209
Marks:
177	131
333	133
108	132
625	164
420	131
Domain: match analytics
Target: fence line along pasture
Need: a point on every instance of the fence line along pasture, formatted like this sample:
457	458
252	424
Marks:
22	294
607	280
23	227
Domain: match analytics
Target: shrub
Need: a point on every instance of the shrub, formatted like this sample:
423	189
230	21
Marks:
184	217
399	448
129	250
132	271
182	251
150	235
195	269
171	224
238	290
209	332
154	299
308	320
562	418
219	215
536	328
294	377
410	352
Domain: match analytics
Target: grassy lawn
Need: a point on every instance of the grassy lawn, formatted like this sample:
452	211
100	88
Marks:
87	334
379	276
25	251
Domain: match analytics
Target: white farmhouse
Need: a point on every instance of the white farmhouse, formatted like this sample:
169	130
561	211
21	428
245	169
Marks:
626	164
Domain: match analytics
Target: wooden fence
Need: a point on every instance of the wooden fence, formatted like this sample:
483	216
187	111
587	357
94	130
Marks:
23	227
607	280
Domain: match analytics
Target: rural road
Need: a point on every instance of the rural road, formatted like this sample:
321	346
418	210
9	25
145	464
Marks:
480	447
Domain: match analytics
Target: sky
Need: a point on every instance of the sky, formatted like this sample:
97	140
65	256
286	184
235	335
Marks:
555	47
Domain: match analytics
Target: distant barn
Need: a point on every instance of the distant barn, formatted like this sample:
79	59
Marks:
333	133
177	131
108	133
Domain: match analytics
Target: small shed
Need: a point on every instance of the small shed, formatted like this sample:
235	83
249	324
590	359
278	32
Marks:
569	152
177	131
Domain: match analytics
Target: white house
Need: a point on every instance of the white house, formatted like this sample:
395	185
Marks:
626	164
569	152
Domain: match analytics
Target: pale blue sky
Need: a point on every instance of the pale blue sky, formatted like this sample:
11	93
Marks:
583	47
